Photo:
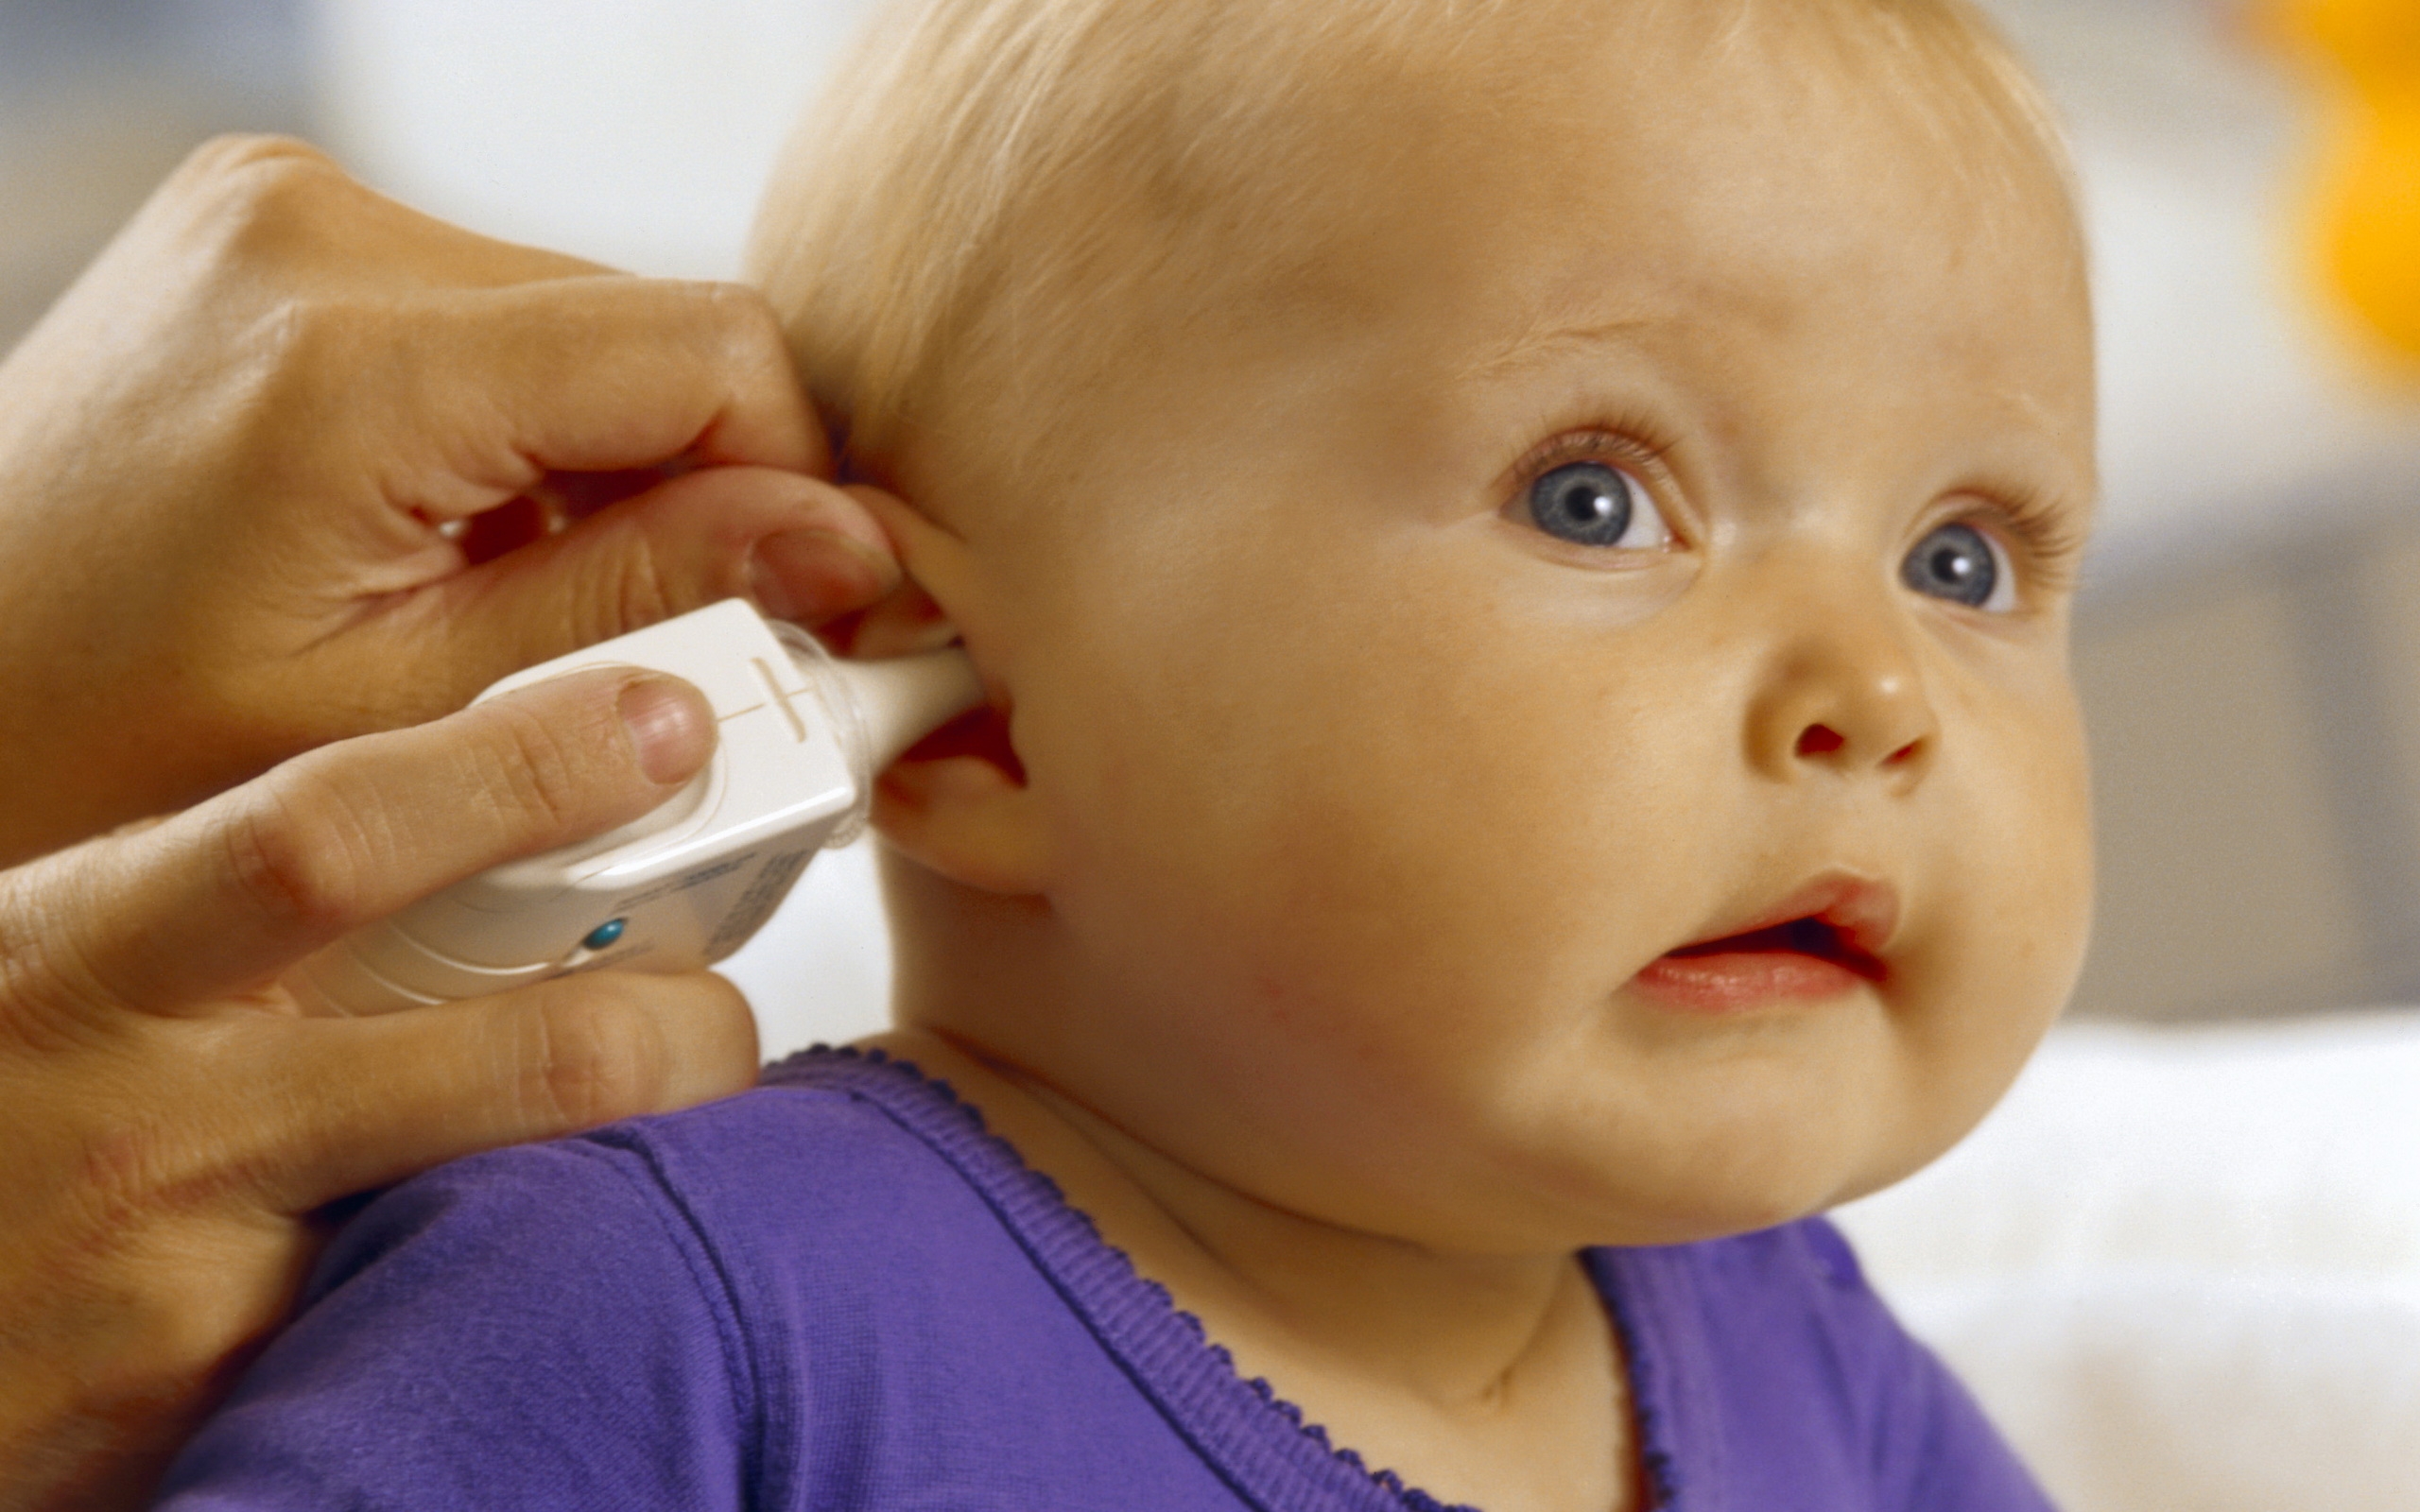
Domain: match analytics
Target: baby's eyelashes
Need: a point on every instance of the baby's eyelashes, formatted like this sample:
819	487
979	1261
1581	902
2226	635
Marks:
1609	501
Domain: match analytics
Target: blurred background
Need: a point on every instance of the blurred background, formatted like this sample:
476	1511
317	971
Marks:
2250	643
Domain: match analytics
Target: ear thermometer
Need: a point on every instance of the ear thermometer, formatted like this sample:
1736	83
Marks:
802	737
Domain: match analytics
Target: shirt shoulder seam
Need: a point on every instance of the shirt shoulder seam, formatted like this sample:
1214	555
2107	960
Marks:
708	1271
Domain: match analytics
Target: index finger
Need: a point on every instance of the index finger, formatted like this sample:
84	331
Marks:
227	897
584	375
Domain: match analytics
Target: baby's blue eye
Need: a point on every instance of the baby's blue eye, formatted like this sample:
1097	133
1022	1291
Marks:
1962	564
1592	504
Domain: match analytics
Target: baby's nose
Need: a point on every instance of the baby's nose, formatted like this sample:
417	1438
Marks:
1850	701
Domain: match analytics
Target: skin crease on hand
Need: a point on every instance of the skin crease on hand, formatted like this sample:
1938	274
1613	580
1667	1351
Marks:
259	470
1291	909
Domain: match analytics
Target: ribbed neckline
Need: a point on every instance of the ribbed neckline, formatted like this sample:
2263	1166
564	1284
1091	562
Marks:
1256	1440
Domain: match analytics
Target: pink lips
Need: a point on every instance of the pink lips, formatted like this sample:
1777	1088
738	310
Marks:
1815	945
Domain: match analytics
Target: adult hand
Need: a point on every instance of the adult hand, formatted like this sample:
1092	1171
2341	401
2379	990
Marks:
172	1122
281	468
288	466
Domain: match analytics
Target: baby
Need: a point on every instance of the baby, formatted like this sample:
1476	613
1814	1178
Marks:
1520	551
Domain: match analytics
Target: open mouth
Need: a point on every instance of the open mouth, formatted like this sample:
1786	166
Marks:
1821	944
1808	937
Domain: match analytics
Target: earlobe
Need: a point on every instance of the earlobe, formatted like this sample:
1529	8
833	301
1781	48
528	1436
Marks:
959	804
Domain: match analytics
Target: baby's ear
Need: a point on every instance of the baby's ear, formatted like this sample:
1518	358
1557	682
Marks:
958	803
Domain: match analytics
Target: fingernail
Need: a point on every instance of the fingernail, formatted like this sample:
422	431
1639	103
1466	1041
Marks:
810	575
671	727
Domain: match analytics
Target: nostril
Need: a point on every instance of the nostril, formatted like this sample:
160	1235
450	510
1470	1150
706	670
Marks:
1905	755
1820	740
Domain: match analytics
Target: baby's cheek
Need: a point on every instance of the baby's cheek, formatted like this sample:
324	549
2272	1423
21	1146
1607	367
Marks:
1995	959
1383	870
2038	864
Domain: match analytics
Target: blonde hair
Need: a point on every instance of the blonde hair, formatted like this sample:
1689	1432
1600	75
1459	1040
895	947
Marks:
975	205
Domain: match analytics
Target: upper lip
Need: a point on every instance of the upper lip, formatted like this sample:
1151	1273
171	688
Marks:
1852	917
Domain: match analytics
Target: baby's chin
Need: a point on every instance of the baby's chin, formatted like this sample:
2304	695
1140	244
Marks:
1638	1163
1681	1206
1566	1211
1677	1204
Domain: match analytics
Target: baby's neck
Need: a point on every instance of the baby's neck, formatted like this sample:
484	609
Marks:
1450	1328
1490	1377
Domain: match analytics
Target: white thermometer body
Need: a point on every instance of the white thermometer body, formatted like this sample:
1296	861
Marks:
801	739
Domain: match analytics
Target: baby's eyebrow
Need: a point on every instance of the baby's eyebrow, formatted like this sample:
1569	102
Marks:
1537	344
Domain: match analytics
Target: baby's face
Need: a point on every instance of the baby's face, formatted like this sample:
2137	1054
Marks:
1568	739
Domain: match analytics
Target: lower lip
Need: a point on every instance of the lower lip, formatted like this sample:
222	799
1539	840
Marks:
1740	981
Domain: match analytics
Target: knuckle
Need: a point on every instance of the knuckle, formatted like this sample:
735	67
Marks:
261	210
547	767
640	594
259	196
744	319
299	853
531	768
599	1054
260	176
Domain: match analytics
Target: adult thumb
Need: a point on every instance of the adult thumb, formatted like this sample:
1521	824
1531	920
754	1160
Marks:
799	548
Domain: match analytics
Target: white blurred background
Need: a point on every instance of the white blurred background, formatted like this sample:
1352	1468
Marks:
2182	1265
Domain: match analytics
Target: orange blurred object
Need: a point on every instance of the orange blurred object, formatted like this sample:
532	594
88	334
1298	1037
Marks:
2368	203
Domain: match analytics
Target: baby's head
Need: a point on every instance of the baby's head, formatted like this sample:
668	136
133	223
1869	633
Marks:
1462	507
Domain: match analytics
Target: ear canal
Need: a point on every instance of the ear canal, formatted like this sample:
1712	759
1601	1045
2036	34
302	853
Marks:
957	804
981	734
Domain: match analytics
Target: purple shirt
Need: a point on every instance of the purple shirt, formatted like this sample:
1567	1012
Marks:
839	1292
